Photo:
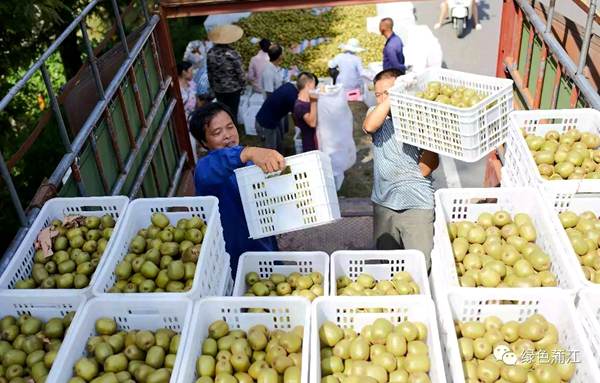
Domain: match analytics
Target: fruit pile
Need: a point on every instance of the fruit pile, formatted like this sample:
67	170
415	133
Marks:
513	352
231	356
162	257
381	353
308	286
443	93
28	346
584	233
570	155
127	356
291	27
68	252
401	284
499	251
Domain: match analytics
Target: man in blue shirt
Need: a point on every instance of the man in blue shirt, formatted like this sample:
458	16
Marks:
214	127
393	56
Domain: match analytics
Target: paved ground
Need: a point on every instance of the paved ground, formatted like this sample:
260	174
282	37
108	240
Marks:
476	52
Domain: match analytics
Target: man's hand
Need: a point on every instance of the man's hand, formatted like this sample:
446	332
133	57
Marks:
268	160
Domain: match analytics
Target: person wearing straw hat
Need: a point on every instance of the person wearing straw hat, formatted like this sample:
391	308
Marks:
349	65
225	73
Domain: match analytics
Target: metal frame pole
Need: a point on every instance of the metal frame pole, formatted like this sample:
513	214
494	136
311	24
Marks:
550	16
120	27
14	196
62	129
585	46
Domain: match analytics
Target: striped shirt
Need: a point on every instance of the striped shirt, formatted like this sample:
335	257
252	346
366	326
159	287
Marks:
398	182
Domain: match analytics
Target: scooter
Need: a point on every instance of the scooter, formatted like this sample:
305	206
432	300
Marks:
460	13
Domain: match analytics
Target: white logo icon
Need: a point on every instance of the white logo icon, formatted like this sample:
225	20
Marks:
502	352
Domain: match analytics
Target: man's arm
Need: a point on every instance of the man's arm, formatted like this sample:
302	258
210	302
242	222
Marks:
376	117
238	67
311	117
429	162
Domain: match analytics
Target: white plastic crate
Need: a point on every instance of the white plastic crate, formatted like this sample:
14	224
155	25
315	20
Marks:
213	257
58	208
267	263
466	204
285	313
519	166
588	307
343	312
150	313
40	306
556	306
380	265
578	203
466	134
276	204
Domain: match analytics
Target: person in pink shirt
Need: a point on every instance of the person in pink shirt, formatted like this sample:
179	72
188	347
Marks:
257	65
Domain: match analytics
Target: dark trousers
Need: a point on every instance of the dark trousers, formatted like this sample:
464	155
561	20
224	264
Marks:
232	100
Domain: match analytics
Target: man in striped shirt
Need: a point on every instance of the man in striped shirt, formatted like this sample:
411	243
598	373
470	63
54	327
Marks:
403	186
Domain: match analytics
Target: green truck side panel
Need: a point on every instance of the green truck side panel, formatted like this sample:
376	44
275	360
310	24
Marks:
148	85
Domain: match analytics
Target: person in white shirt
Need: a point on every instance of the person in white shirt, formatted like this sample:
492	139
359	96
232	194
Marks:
349	65
272	78
258	64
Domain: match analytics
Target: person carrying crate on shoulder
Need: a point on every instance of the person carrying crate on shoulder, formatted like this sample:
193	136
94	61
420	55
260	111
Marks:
214	127
402	186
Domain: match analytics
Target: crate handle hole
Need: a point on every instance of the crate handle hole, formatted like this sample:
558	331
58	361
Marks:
175	209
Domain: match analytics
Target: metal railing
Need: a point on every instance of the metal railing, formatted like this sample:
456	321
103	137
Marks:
550	47
165	101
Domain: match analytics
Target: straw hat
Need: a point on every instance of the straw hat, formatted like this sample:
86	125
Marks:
352	45
225	34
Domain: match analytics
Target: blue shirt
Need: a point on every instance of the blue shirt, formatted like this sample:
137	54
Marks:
277	106
393	57
398	182
215	176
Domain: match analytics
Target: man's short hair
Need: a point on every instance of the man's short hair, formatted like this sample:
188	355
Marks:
264	45
275	52
389	21
304	78
388	73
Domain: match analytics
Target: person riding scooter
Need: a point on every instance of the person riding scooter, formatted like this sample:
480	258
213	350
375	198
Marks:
444	14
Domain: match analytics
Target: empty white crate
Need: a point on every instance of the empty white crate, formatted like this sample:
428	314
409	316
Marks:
213	258
380	265
150	313
283	313
554	304
520	168
58	208
466	204
344	312
282	262
588	307
466	134
276	204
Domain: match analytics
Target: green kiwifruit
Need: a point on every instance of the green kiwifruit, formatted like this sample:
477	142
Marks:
144	340
106	326
155	357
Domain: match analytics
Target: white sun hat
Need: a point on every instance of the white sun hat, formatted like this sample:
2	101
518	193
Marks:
352	45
